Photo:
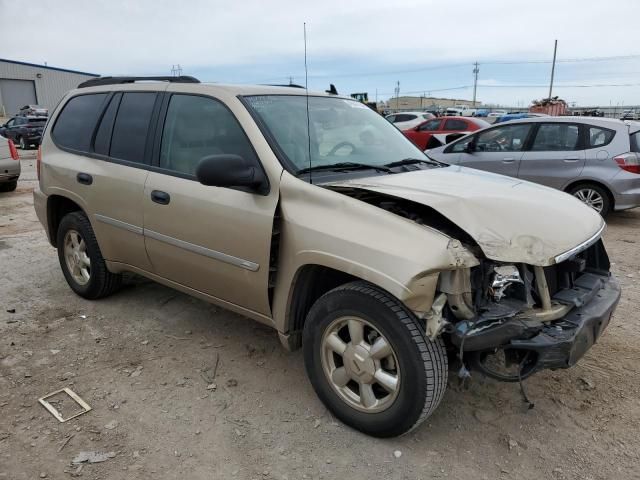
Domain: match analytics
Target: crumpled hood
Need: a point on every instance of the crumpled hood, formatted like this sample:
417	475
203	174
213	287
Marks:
510	219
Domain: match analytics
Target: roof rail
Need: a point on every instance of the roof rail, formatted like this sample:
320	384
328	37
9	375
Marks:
96	82
290	85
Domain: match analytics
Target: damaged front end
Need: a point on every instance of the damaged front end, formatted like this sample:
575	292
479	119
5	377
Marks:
512	320
506	319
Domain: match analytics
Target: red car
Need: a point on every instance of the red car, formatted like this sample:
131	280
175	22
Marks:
440	131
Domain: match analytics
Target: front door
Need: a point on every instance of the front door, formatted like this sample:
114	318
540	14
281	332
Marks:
211	239
556	155
497	149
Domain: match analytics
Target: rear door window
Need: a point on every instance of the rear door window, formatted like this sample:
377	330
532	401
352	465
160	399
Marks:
75	124
552	137
131	127
455	124
599	137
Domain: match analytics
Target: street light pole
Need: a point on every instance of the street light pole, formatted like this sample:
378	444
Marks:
553	68
476	70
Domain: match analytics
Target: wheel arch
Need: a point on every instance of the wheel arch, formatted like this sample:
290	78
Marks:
589	181
309	283
57	207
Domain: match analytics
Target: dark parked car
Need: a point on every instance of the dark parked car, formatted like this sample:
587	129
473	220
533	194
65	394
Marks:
24	131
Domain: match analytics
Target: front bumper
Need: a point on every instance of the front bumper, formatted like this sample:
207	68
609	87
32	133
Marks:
562	343
556	344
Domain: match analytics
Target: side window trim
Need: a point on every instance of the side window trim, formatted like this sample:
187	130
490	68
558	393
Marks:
104	107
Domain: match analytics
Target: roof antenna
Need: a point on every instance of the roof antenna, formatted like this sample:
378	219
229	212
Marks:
306	89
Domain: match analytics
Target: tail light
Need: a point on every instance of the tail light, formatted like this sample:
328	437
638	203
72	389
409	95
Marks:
13	151
629	162
39	160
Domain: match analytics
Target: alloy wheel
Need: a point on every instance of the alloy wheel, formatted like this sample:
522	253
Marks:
77	260
590	197
360	364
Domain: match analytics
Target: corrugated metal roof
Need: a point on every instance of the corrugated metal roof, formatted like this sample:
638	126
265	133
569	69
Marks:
47	67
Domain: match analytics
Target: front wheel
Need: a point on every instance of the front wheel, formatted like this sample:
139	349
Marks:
369	361
21	143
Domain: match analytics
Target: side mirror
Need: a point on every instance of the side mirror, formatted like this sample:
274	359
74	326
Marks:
228	170
470	147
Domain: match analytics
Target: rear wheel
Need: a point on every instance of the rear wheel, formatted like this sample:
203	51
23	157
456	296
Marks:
594	196
81	260
369	361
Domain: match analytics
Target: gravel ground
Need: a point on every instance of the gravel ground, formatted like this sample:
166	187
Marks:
183	389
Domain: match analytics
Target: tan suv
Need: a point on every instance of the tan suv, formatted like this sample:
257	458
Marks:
311	213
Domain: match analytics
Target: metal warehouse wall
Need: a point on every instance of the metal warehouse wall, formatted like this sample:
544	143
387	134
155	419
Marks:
51	84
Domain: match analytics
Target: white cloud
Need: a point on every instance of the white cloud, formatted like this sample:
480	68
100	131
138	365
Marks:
148	36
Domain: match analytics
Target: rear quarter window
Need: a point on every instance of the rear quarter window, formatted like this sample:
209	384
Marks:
599	137
75	124
635	141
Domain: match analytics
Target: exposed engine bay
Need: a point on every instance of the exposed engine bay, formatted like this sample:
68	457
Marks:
509	320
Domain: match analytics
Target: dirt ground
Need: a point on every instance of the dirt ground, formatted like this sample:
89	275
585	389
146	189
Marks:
146	360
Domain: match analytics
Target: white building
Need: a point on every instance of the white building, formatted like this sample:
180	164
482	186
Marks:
24	83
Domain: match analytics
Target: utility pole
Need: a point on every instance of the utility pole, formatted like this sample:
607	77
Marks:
476	70
397	94
290	80
176	70
553	67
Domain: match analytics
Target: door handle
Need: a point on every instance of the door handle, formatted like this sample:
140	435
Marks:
84	178
571	159
508	160
163	198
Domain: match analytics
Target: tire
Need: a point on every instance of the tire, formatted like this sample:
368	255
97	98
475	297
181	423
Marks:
22	144
8	186
99	282
600	197
421	365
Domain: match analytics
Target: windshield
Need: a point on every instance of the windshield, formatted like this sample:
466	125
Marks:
340	131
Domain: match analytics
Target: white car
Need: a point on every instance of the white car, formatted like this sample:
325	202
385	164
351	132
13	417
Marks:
407	120
461	111
497	113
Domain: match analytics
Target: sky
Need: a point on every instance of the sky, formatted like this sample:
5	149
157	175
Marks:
358	45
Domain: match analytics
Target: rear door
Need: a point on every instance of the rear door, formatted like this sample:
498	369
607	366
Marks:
211	239
102	163
556	155
497	149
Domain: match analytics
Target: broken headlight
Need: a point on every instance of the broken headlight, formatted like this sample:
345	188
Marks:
503	277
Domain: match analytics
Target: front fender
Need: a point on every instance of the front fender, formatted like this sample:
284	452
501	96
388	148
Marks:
327	228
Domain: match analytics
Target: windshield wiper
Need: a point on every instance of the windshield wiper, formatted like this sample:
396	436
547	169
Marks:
413	161
345	166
